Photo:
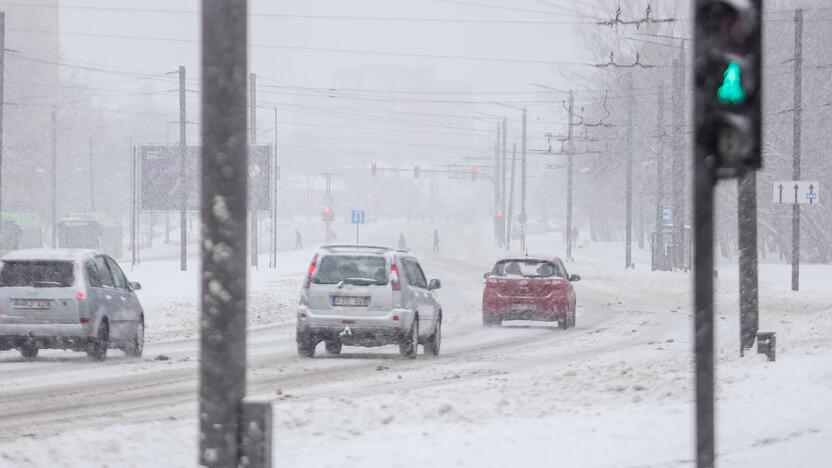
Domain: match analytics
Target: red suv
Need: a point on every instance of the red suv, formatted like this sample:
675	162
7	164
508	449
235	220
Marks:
529	288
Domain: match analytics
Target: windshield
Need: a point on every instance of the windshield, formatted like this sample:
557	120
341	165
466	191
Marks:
357	269
526	268
55	274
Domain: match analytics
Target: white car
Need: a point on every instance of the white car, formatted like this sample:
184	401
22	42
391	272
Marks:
68	299
362	295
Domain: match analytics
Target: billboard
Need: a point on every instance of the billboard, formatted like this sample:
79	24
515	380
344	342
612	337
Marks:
161	185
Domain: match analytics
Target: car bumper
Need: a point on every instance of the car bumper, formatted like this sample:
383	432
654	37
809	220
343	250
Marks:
355	330
45	336
525	309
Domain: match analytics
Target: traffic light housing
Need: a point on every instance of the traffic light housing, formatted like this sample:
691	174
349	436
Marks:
328	215
416	171
474	170
374	168
499	214
728	83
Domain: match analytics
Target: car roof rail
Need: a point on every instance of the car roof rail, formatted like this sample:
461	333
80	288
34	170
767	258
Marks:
355	247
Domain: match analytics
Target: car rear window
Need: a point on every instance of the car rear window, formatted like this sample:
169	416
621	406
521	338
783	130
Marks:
47	274
359	269
526	268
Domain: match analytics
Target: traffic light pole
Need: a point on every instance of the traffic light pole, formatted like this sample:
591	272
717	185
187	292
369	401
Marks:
628	251
254	234
569	179
747	238
523	216
797	135
183	178
510	209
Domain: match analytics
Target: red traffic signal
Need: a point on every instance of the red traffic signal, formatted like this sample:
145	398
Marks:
328	214
499	214
416	170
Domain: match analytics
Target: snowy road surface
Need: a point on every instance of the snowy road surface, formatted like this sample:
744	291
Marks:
616	391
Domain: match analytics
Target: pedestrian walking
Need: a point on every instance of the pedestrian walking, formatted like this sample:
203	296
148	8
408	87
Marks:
298	240
435	241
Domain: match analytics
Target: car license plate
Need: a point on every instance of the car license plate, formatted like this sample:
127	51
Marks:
32	303
350	301
524	308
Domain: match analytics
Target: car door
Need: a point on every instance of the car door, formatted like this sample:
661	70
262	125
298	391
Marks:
565	274
421	296
121	313
107	296
98	281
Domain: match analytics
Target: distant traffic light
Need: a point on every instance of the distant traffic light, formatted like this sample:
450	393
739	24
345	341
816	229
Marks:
328	214
499	214
416	170
374	168
474	172
729	84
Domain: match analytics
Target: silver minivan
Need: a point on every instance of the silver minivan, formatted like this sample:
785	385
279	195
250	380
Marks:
362	295
68	299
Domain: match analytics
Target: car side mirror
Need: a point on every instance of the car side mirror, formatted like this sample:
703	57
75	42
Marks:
486	275
134	285
574	278
435	284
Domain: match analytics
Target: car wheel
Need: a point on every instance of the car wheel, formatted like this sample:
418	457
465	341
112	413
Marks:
29	351
410	342
136	345
98	347
488	321
306	346
574	318
563	323
334	346
435	341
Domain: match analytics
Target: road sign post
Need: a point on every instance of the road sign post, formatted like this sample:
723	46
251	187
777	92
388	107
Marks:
358	218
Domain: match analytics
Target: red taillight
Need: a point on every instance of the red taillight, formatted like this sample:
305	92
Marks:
395	318
311	273
80	295
394	278
85	320
302	316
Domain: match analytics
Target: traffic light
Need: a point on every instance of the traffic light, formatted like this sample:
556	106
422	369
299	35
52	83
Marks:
728	83
499	214
474	172
374	168
328	214
416	170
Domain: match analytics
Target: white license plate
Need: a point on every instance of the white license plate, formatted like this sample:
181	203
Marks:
524	308
32	303
350	301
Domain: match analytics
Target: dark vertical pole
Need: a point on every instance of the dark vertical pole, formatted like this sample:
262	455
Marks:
92	180
523	215
798	113
684	241
276	172
747	216
503	182
660	164
510	210
628	249
254	233
497	195
133	202
678	163
2	98
223	247
183	176
329	200
570	167
54	205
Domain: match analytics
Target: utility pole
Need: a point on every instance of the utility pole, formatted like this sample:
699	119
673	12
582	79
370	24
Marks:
2	98
92	180
497	195
660	166
233	431
510	210
253	227
798	114
569	174
678	169
628	262
329	200
54	204
134	200
503	184
523	216
273	222
183	176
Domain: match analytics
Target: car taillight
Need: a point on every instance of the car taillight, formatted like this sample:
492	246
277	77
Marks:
80	295
311	273
84	320
394	278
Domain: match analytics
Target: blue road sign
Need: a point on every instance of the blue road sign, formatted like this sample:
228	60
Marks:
358	217
667	216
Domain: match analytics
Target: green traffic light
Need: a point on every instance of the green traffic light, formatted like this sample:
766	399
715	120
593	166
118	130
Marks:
731	91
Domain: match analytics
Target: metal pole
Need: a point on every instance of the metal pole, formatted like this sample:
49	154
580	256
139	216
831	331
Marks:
2	98
660	167
798	113
503	183
569	179
628	260
497	195
232	432
133	204
523	215
183	176
329	200
510	211
92	179
54	192
747	216
276	172
253	227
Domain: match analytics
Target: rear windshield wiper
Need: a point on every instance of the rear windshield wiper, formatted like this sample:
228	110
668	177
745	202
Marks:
359	281
47	284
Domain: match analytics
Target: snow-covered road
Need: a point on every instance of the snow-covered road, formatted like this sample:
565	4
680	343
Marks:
616	391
